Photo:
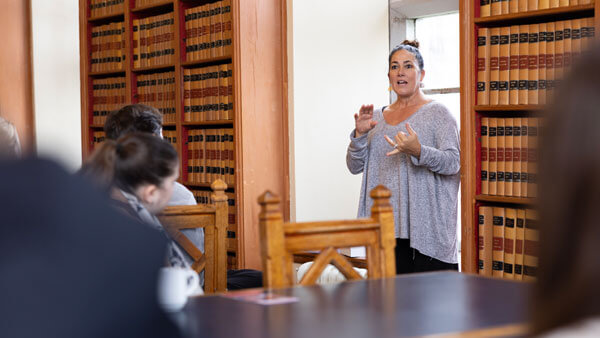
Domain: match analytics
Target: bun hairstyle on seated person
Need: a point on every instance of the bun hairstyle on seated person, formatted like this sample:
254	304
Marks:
131	161
411	46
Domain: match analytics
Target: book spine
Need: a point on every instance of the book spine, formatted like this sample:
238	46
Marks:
575	40
493	144
513	86
484	8
532	5
523	6
498	243
549	59
567	45
501	141
495	7
559	49
543	4
533	74
503	65
524	155
509	243
516	156
523	63
519	241
513	6
532	158
530	246
483	72
508	157
484	155
485	240
494	65
542	64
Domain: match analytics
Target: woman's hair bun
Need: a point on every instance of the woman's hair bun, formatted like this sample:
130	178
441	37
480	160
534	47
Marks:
413	43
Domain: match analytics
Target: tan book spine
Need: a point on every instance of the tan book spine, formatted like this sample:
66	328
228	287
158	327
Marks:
509	243
524	155
504	7
189	152
519	241
188	33
504	75
559	50
485	164
486	233
554	3
501	142
496	7
205	54
543	4
549	60
223	92
532	5
513	85
516	158
585	2
230	90
198	113
228	28
523	6
483	72
187	95
523	63
513	6
493	165
542	64
498	243
494	64
218	29
567	32
204	99
564	3
223	154
484	8
575	40
508	156
590	33
532	157
214	93
573	2
532	81
530	257
231	157
196	32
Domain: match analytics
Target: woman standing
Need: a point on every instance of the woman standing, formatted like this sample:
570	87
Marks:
411	147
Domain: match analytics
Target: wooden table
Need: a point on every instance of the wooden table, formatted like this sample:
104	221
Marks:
410	305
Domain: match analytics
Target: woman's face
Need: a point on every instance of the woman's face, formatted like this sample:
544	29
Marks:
157	197
404	74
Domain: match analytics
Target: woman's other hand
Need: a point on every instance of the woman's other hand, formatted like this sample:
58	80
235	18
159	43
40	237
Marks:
407	144
364	120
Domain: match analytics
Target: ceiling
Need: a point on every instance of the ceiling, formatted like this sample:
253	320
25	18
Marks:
420	8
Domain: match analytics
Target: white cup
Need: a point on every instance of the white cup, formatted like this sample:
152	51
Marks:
174	287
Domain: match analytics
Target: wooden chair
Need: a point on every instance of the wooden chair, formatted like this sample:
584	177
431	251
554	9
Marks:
213	218
279	242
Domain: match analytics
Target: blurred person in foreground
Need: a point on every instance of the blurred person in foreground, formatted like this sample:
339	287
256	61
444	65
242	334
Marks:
566	298
71	265
146	119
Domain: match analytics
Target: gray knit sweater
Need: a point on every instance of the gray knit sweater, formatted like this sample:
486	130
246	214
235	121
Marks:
425	190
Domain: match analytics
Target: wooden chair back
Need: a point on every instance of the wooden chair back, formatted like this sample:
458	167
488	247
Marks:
213	218
279	242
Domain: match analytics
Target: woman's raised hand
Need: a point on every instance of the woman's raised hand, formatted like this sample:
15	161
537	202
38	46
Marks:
364	120
407	144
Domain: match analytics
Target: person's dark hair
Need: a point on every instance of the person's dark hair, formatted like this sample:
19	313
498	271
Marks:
132	160
567	290
133	118
411	46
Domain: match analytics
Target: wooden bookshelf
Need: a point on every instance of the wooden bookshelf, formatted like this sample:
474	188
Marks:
260	121
471	112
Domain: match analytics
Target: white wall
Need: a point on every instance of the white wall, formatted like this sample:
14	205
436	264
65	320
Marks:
338	62
55	29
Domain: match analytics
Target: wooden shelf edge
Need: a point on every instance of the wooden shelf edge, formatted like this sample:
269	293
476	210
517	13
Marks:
504	199
153	68
207	123
96	126
490	20
205	185
106	17
152	6
204	61
500	108
108	73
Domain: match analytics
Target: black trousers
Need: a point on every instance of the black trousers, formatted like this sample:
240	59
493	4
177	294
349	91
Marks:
409	260
244	279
